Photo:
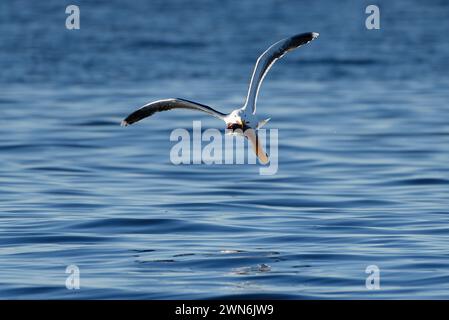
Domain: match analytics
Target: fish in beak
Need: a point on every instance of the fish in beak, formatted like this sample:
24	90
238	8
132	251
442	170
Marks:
238	125
252	136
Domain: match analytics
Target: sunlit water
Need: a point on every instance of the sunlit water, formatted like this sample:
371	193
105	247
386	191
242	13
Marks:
363	171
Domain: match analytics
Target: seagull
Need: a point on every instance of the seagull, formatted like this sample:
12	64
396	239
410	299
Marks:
241	121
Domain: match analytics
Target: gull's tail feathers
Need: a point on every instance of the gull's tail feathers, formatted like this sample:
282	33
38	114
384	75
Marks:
262	123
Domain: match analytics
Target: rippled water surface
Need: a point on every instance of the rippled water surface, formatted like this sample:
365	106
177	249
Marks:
363	171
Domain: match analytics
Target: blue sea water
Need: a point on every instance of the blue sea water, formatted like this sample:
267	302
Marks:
363	174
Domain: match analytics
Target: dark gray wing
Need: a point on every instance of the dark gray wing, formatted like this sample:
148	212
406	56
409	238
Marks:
268	58
168	104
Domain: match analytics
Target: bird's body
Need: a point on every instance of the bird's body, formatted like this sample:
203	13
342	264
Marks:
242	120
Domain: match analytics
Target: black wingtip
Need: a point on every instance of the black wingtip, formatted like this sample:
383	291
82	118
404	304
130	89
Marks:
303	38
132	118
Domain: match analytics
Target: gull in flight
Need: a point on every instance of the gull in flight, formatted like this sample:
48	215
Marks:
241	121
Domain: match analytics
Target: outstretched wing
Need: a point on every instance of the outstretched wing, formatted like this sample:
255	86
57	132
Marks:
268	58
168	104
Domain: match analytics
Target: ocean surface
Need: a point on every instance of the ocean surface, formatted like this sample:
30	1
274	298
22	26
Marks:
363	174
